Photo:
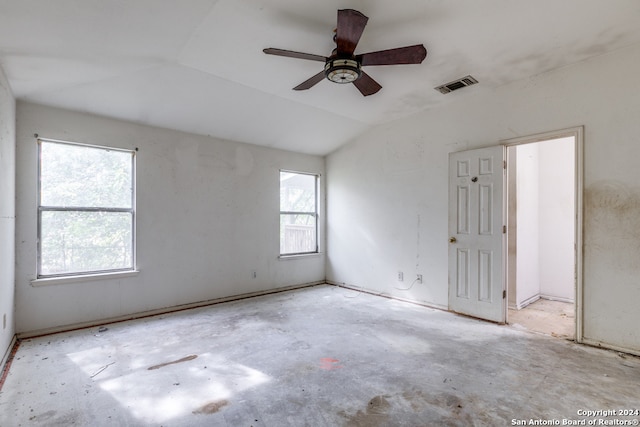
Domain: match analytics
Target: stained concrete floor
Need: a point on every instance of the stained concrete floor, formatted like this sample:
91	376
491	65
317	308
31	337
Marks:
320	356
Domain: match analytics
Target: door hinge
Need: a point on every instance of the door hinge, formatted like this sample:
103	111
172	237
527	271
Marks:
504	164
504	229
504	294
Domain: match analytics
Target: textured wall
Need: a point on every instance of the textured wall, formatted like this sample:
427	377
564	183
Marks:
207	217
387	190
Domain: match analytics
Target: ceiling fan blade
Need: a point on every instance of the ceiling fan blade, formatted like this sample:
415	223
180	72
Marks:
351	24
308	84
401	55
292	54
366	85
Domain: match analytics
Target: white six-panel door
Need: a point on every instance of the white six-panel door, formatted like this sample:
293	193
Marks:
476	235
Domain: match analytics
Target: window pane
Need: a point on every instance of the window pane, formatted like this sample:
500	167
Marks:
297	192
297	233
75	242
75	175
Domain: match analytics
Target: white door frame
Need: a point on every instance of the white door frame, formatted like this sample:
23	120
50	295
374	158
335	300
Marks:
578	134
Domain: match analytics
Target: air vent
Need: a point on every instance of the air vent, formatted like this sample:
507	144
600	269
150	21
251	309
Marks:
456	84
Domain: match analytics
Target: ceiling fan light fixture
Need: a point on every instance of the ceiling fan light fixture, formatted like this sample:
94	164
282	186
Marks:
342	70
343	66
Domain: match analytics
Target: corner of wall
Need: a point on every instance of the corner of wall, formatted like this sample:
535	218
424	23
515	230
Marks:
7	217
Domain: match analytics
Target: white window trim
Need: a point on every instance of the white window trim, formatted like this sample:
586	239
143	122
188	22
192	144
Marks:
88	275
61	280
287	257
316	252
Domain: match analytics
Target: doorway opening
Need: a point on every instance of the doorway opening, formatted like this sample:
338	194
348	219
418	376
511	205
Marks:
543	206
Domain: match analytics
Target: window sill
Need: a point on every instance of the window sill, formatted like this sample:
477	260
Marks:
83	278
298	256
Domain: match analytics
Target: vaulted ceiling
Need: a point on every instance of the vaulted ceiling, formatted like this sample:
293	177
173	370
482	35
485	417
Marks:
198	65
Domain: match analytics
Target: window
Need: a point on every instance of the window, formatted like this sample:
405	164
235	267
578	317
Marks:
298	213
86	217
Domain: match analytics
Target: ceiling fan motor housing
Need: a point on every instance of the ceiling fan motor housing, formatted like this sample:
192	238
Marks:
342	70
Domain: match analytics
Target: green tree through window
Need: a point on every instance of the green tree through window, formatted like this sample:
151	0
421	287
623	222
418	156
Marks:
85	210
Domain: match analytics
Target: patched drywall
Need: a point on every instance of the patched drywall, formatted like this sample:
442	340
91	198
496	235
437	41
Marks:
7	214
373	208
207	218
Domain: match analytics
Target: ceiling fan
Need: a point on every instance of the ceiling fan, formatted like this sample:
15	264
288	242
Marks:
345	67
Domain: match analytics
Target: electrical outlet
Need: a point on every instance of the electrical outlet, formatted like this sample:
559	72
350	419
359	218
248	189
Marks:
400	276
419	279
254	274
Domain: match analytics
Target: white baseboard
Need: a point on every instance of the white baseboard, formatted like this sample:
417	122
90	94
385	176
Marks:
554	298
535	298
526	302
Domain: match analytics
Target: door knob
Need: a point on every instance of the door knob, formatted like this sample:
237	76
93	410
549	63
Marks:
452	240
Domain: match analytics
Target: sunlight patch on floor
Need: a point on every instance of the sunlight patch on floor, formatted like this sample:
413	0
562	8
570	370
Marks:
162	390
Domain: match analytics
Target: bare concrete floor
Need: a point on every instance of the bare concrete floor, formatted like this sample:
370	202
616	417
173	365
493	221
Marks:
548	317
321	356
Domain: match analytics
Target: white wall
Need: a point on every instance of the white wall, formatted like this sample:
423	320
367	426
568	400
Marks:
387	190
7	214
556	215
528	214
207	216
545	218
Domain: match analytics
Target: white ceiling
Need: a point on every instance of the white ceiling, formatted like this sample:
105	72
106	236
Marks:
198	65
